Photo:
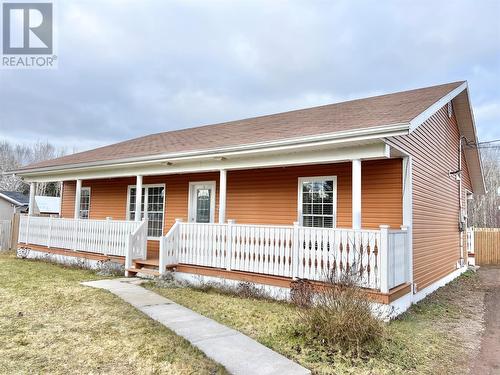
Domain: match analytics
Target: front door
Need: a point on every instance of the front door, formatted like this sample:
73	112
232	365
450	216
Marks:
202	202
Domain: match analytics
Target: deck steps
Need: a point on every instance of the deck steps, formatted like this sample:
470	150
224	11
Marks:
145	267
147	262
144	271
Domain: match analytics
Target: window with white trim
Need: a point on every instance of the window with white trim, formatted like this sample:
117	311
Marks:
84	203
318	201
152	207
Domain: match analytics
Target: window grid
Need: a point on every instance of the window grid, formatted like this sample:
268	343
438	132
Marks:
152	207
318	202
84	203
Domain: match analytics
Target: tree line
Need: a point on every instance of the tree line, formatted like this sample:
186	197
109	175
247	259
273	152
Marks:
484	210
14	156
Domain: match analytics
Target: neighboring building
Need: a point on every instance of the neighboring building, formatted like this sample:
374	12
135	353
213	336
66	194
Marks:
376	184
47	206
12	202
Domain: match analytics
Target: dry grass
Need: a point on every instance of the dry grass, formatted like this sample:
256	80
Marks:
429	339
49	323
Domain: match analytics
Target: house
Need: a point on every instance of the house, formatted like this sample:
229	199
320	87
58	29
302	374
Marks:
379	185
12	202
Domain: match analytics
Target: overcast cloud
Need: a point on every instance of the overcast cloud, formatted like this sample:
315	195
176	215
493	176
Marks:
130	68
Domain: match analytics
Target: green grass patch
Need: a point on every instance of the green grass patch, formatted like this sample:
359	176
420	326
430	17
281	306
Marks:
49	323
422	341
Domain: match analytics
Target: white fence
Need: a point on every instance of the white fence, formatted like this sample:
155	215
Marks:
5	234
108	237
379	257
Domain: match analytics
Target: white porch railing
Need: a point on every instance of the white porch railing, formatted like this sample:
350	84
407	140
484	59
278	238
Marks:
380	257
137	244
108	237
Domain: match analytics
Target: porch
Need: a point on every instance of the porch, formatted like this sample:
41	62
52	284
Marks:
261	253
286	223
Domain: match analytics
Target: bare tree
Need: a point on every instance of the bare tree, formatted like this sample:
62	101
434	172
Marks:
15	156
484	209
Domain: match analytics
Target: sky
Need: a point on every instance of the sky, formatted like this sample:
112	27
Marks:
131	68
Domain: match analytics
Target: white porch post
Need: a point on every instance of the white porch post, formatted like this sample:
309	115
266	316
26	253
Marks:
408	214
384	258
138	198
222	196
78	197
356	194
31	204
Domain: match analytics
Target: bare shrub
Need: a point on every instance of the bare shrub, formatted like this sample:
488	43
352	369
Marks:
109	268
301	293
342	317
242	289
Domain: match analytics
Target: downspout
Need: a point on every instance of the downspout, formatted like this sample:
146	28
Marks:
461	226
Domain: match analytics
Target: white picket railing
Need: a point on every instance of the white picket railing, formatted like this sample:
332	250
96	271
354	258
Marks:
5	234
378	257
137	244
108	237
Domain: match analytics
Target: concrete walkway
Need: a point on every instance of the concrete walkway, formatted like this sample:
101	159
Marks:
238	353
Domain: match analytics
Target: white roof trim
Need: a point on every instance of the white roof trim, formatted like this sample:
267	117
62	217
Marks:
425	115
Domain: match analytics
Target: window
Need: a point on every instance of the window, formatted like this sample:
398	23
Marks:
318	201
152	207
84	203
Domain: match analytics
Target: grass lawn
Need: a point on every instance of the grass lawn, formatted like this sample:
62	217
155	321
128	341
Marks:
435	337
49	323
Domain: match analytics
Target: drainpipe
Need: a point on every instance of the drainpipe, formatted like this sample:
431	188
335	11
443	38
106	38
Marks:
460	204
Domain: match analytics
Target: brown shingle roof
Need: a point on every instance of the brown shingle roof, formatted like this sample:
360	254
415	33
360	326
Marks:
376	111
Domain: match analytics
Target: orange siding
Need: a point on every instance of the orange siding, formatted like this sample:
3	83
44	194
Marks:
269	196
436	239
68	199
264	196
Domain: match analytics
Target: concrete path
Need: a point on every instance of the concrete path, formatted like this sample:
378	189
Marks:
238	353
488	360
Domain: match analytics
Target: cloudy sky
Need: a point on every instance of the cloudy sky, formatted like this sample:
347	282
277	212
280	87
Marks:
129	68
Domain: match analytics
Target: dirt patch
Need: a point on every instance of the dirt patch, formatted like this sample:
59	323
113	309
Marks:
488	360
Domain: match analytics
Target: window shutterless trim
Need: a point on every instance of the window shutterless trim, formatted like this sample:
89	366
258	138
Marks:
146	186
87	188
301	180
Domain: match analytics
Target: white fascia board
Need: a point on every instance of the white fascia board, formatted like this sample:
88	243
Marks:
425	115
337	138
312	155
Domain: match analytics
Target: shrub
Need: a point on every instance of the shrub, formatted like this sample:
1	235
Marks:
342	317
301	293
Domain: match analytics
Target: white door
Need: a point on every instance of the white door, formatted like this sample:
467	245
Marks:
202	202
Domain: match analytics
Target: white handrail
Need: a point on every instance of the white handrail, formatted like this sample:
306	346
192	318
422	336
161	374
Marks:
168	248
97	236
379	257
